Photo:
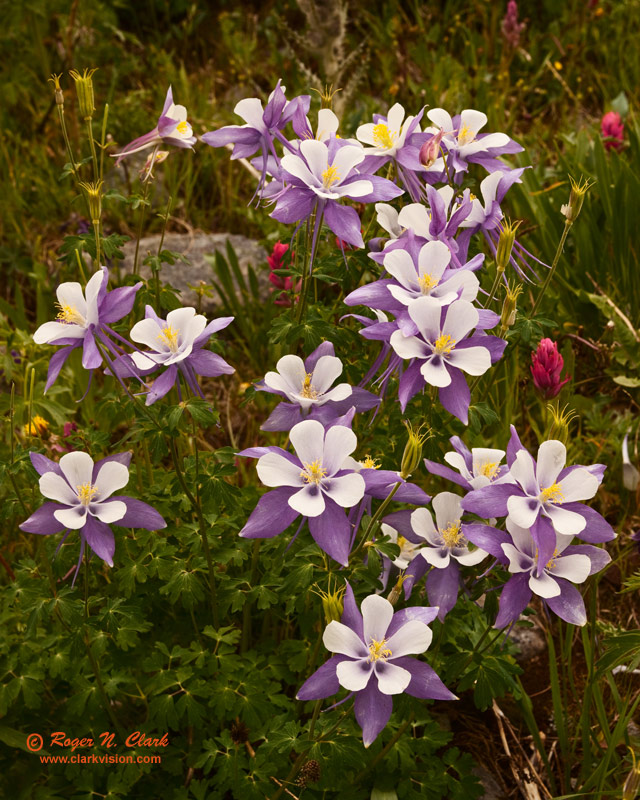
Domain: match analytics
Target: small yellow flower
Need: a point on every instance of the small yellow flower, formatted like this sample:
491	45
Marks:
38	426
557	65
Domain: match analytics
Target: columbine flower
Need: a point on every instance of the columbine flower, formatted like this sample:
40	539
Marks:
546	366
476	468
318	177
446	546
442	350
314	483
546	490
172	128
307	386
551	579
372	649
178	343
83	499
465	144
630	475
612	129
83	317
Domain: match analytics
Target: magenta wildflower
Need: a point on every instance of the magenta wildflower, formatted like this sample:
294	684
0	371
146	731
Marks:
546	366
612	129
511	28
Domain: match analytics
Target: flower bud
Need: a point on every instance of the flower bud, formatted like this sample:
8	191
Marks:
430	150
560	421
84	90
394	594
412	455
510	307
55	80
546	366
505	243
332	602
632	783
94	198
576	198
612	129
630	475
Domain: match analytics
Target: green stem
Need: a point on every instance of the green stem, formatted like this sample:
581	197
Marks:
246	609
494	287
375	761
371	528
143	208
105	700
556	258
103	136
94	155
305	270
314	718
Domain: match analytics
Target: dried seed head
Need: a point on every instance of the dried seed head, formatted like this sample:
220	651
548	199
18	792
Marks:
84	90
505	243
412	455
576	198
310	773
239	732
55	80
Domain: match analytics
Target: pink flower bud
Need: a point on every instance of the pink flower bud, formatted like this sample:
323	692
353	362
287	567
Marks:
511	28
612	129
546	366
430	150
284	283
275	259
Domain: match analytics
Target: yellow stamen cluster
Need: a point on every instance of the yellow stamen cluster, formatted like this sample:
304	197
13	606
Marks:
377	651
382	136
552	494
465	135
444	345
313	472
552	561
452	535
69	314
307	389
183	127
427	282
370	463
86	493
489	470
330	176
169	336
401	542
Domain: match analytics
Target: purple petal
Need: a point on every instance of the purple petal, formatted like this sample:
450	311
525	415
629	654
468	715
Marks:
373	710
213	327
382	188
373	295
410	384
491	501
597	529
271	516
91	356
414	572
233	134
597	555
295	204
544	536
456	396
442	588
118	303
446	472
344	222
514	599
489	539
42	521
425	683
139	515
424	614
42	464
324	681
162	385
99	536
283	417
351	616
568	605
209	364
331	531
56	362
514	446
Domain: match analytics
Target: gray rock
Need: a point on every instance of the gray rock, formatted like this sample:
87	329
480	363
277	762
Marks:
195	246
492	789
530	641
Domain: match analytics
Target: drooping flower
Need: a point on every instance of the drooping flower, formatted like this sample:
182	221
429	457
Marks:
546	366
552	579
442	350
83	318
446	546
612	129
83	499
313	483
172	129
372	650
178	343
307	386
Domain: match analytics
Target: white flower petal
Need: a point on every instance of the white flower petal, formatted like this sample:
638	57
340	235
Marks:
376	615
77	468
317	156
339	443
448	508
425	312
438	557
295	166
307	438
111	511
435	372
416	217
392	679
54	487
309	501
91	292
148	332
564	521
111	477
411	639
276	470
523	510
523	471
399	265
574	567
325	372
461	317
472	360
433	259
473	120
578	485
50	331
341	639
468	558
518	561
346	159
422	525
409	346
346	491
354	675
544	586
552	456
72	518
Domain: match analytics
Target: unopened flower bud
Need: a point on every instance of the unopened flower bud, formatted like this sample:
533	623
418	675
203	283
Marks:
612	129
394	594
630	475
631	785
546	366
84	90
55	80
412	455
505	243
510	307
430	150
332	603
94	198
560	421
576	198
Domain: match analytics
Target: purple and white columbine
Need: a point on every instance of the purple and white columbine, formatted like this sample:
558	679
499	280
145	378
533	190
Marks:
172	128
372	650
83	499
178	343
83	317
473	468
314	483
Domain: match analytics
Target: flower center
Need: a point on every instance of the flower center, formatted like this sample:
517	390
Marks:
370	463
489	469
307	390
552	494
183	127
444	345
70	315
552	561
465	135
169	336
427	282
452	534
377	651
314	472
330	176
382	136
86	493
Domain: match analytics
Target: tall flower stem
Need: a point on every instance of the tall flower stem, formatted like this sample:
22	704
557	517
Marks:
143	208
105	700
94	154
246	609
556	258
494	287
306	267
372	526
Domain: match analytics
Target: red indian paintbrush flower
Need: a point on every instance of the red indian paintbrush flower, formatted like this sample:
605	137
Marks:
546	366
612	129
